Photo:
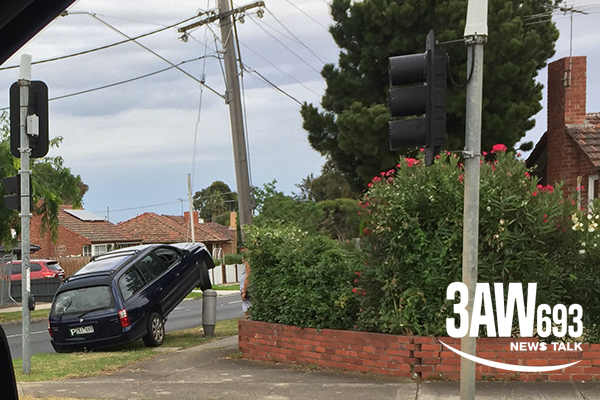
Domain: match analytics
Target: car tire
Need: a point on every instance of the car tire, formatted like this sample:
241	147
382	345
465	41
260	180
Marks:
155	335
205	283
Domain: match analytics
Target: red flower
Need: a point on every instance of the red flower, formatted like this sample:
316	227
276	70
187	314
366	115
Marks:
353	290
498	148
411	162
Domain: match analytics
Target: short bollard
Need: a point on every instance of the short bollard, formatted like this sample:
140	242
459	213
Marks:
209	311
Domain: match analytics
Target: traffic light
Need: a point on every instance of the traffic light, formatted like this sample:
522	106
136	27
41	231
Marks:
12	185
38	132
418	90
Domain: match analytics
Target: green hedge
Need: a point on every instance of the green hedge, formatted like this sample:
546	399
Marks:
300	279
414	235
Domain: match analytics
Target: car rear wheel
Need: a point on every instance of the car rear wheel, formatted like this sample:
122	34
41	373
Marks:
155	335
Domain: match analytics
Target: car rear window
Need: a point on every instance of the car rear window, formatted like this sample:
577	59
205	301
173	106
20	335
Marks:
103	264
83	300
54	267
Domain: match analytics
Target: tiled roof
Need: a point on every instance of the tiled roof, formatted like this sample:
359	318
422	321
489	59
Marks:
154	228
95	231
587	137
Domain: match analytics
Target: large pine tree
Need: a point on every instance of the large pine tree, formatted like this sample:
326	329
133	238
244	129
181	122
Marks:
351	129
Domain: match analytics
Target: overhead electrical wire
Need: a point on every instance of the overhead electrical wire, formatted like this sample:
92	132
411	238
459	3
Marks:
131	39
303	12
295	37
120	82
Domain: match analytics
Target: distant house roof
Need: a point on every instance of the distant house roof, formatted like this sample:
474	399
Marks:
96	230
154	228
587	137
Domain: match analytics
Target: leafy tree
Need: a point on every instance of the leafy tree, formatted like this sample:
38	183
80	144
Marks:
330	185
352	129
215	200
53	184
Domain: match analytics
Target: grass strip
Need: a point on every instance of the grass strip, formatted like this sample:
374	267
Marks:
54	366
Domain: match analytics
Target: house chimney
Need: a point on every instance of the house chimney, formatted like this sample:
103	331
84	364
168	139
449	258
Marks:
566	106
566	92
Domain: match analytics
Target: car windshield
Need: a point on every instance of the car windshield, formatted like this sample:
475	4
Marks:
83	300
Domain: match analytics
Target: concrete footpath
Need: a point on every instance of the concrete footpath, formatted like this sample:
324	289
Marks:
215	371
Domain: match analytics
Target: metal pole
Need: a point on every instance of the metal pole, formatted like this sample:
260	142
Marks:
232	97
475	38
191	205
24	82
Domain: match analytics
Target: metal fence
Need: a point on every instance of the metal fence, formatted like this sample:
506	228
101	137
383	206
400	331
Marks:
10	291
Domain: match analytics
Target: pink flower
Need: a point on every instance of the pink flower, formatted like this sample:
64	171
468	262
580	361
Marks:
527	174
353	290
422	149
498	148
411	162
461	178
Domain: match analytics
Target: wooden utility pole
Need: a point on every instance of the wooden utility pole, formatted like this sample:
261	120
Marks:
233	99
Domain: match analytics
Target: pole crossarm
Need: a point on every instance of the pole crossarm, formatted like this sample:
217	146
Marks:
216	16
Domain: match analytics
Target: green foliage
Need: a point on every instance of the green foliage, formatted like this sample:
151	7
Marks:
330	185
300	279
215	200
413	243
276	207
339	218
53	184
352	127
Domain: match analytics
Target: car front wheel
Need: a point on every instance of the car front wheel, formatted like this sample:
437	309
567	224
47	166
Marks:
155	335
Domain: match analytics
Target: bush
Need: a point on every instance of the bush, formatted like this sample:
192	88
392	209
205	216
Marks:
413	242
300	279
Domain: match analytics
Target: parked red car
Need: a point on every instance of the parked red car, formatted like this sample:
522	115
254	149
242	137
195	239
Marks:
40	269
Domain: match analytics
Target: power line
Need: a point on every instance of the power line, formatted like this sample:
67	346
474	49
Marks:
274	86
284	45
131	39
120	82
303	12
295	37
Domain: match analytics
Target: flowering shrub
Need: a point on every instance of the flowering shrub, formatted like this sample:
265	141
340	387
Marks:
300	279
413	242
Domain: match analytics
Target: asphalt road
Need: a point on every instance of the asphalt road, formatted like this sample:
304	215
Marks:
186	315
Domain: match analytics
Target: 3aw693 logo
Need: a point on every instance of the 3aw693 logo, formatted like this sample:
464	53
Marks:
558	320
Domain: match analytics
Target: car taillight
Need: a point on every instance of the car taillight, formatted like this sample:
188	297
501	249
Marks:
49	275
50	330
124	318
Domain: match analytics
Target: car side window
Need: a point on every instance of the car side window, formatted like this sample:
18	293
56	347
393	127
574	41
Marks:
130	283
35	267
167	256
151	267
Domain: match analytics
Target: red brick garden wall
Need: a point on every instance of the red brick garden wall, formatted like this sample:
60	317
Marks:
406	356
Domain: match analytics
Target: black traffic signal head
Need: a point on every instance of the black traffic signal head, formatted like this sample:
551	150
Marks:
418	90
12	186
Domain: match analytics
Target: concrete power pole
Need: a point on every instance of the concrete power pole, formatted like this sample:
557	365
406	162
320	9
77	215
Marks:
475	38
233	99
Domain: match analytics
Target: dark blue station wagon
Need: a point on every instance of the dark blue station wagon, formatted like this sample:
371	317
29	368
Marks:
125	295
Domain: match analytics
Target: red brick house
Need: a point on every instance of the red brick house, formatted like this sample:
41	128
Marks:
569	151
155	228
80	233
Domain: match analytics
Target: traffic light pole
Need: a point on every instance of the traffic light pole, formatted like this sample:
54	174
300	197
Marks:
24	83
475	38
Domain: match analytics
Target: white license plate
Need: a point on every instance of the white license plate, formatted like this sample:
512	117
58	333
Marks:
81	330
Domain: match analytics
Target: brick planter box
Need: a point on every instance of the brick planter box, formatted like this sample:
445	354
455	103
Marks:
418	357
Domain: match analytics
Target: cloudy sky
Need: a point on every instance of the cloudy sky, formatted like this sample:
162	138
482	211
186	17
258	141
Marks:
133	143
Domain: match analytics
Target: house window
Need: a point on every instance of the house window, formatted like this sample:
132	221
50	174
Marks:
592	189
87	251
98	249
